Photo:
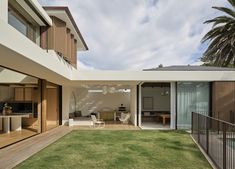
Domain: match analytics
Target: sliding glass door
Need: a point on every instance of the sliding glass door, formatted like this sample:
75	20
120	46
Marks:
191	97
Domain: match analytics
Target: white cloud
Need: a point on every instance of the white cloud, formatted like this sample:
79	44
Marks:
137	34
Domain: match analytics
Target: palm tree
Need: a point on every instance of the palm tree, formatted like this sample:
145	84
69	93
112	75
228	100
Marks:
221	49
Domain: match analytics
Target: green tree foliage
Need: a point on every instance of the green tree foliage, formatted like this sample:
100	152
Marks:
221	38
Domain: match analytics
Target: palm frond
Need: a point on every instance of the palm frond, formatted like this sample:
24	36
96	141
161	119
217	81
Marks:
228	59
219	20
213	33
226	10
221	38
232	2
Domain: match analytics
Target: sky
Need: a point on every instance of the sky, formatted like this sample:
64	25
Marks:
140	34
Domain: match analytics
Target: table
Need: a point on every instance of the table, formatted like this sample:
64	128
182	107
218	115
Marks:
106	115
12	121
164	117
117	114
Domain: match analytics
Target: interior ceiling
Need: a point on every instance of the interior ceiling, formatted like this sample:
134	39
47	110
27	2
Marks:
156	85
10	77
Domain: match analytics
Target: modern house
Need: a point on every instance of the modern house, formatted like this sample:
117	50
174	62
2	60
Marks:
43	88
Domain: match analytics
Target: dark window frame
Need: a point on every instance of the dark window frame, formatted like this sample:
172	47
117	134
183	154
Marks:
30	28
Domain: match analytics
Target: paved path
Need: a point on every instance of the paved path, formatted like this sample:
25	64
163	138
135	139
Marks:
15	154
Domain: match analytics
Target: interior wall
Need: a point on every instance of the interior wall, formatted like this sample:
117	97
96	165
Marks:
65	104
90	102
160	103
75	99
68	102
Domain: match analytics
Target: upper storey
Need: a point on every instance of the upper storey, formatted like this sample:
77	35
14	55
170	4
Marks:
51	28
63	36
27	17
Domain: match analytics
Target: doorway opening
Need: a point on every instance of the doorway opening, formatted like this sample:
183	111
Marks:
52	91
155	105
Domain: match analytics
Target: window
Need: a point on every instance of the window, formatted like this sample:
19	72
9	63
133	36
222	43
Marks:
16	23
17	20
191	97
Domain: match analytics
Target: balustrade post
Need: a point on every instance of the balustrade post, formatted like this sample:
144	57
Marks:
198	131
224	145
192	123
207	135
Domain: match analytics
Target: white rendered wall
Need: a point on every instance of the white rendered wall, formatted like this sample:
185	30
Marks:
140	105
133	105
152	76
4	10
66	92
68	102
33	60
173	105
30	58
75	99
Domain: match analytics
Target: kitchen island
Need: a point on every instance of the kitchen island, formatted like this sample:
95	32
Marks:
12	122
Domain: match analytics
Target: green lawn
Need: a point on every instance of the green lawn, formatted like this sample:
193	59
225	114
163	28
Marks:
120	149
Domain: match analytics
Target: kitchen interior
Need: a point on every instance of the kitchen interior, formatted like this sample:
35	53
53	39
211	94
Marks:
19	96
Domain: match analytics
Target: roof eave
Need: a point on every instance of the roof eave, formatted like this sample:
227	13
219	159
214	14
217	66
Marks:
66	9
41	11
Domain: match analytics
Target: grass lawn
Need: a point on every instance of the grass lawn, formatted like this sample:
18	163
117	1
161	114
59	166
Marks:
120	149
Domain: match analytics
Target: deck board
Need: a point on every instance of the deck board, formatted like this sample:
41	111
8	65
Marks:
15	154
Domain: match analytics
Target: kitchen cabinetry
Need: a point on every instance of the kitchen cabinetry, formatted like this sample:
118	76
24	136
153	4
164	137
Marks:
23	94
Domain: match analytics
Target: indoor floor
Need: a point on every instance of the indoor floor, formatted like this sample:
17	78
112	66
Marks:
154	125
15	136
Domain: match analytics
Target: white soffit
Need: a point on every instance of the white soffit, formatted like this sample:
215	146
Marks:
62	15
38	8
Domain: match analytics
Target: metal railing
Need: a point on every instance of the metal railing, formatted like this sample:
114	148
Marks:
216	138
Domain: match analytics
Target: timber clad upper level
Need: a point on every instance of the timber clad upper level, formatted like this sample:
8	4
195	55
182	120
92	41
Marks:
58	32
64	36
